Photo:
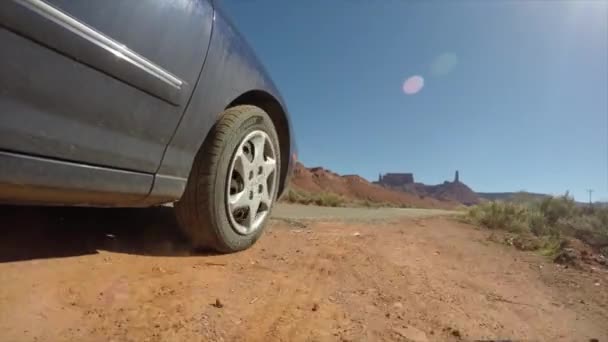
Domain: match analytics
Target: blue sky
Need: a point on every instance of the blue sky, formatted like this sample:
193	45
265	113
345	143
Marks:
515	92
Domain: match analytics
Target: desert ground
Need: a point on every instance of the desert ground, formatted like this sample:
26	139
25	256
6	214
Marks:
317	274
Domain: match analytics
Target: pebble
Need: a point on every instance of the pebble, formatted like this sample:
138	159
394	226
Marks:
411	333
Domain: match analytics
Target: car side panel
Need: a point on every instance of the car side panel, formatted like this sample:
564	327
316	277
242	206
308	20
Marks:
55	109
231	69
70	97
173	34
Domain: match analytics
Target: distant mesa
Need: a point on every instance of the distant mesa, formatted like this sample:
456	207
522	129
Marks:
396	179
319	180
396	188
400	188
447	191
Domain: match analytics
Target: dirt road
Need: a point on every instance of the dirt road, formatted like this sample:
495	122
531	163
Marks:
124	275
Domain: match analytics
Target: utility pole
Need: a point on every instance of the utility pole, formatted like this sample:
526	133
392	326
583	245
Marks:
590	191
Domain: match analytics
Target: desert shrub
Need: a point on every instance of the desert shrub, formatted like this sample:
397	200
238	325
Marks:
373	204
551	245
538	224
526	242
550	220
500	215
329	200
554	208
570	225
602	216
291	196
296	196
325	199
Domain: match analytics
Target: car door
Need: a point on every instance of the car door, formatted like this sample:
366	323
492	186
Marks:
103	83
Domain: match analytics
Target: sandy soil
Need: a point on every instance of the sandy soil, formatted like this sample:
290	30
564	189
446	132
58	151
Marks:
124	275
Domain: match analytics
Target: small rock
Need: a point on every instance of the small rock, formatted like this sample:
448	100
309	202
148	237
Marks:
582	301
315	307
397	305
388	315
158	269
456	333
597	284
218	304
357	234
411	333
111	236
594	340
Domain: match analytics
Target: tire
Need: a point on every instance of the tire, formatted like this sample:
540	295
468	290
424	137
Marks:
203	212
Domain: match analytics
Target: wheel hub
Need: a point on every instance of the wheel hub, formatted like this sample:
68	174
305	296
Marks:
251	182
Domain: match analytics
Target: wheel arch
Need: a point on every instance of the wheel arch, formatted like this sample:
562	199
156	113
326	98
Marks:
278	115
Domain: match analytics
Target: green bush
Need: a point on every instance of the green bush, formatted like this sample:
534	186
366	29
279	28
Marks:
551	245
500	215
549	220
538	224
295	196
554	208
329	200
321	199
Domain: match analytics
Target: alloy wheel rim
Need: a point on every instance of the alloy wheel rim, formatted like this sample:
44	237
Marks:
251	182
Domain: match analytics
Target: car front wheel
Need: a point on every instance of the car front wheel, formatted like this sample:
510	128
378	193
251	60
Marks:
233	182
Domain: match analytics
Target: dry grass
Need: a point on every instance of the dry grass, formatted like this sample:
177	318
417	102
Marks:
544	224
324	199
328	199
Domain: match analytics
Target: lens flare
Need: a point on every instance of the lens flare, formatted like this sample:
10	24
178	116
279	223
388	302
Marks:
444	64
413	85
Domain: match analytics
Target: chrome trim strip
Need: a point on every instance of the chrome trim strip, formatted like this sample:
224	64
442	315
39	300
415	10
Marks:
119	50
172	177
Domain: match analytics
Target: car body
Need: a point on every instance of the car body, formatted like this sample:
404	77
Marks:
106	103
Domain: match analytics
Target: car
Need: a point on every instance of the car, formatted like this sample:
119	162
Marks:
122	103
